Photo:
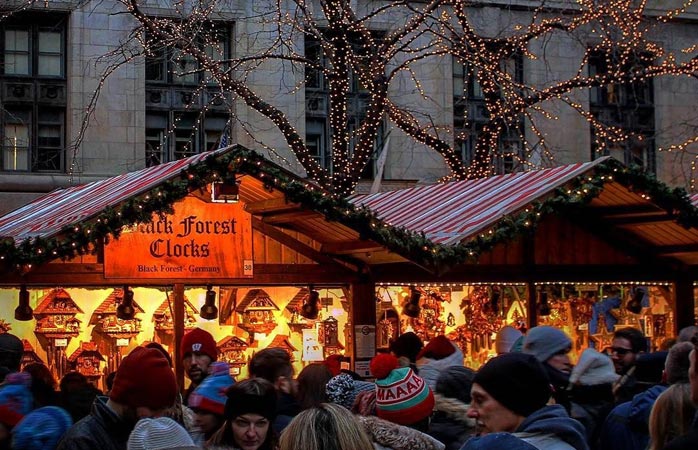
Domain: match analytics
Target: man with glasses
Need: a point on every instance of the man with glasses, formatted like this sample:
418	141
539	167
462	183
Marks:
627	344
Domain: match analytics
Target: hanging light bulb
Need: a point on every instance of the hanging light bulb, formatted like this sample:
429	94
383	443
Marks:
544	307
125	310
310	309
24	312
209	311
411	308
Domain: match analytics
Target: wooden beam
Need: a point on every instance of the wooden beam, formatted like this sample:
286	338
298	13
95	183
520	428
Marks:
290	217
340	248
294	244
178	319
263	274
680	248
624	210
270	206
639	220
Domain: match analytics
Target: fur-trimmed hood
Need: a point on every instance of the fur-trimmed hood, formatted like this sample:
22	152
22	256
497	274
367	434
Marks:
397	437
454	409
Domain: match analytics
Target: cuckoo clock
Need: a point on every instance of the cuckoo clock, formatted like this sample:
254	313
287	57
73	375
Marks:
257	310
4	327
116	333
87	361
55	326
29	356
298	322
107	323
283	342
232	350
162	316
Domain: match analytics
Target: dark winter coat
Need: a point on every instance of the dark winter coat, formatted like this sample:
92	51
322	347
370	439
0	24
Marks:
549	428
102	429
688	441
450	423
627	425
286	409
590	405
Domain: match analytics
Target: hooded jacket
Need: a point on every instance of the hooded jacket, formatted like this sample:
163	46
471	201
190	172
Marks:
627	425
549	428
450	423
430	369
102	429
391	436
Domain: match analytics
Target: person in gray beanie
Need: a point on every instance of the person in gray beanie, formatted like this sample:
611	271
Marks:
510	396
551	346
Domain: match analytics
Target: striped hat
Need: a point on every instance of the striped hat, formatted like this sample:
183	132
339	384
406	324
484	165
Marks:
161	433
210	394
402	397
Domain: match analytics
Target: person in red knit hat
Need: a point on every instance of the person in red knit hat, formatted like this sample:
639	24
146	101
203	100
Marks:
438	355
144	386
198	350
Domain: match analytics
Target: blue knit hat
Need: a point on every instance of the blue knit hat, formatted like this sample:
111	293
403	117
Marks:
41	429
544	342
15	398
210	395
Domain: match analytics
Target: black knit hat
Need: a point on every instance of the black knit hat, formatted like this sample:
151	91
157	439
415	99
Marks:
407	345
455	382
517	381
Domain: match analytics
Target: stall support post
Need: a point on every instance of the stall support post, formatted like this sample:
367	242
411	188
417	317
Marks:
363	317
531	305
684	303
178	333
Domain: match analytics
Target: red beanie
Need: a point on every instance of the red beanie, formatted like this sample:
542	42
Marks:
334	364
144	378
438	348
198	340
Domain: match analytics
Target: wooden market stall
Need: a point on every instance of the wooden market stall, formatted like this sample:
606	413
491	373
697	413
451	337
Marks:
230	236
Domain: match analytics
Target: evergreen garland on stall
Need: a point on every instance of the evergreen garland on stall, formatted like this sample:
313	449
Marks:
87	236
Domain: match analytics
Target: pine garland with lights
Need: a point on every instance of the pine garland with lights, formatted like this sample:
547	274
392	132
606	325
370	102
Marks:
86	237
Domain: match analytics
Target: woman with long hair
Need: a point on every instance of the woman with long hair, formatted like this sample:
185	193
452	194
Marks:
671	415
249	412
312	383
325	427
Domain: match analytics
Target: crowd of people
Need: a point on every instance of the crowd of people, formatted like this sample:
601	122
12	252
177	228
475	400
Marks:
421	397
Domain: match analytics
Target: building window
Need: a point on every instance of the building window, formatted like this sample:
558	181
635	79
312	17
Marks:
317	101
185	113
33	92
172	66
470	115
628	107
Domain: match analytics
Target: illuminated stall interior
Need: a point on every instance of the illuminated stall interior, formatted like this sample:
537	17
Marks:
248	319
471	314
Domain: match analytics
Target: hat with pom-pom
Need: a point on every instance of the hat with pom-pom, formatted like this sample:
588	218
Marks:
41	429
16	399
210	394
343	389
402	397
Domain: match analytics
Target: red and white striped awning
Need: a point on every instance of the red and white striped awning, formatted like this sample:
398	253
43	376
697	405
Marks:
452	212
46	216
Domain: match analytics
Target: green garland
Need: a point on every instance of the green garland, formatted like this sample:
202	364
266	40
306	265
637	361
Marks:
87	236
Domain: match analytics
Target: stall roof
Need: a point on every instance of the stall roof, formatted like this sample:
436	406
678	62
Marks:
449	213
426	225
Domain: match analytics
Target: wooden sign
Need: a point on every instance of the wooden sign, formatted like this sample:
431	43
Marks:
200	240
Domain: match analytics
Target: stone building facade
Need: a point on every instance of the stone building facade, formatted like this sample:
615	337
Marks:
55	54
